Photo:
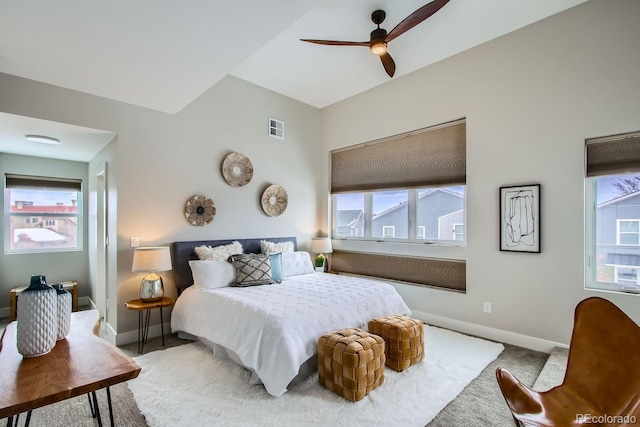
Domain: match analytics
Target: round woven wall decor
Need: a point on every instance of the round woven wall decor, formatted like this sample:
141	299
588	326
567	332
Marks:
199	210
274	200
237	169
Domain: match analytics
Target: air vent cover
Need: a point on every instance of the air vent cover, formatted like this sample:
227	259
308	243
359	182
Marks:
276	128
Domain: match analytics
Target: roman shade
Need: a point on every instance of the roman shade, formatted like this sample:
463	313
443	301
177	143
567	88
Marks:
613	155
44	183
440	273
426	157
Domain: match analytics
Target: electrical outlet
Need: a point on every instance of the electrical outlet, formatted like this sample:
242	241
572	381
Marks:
135	242
487	307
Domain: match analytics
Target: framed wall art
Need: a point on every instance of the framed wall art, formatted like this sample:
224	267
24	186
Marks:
520	218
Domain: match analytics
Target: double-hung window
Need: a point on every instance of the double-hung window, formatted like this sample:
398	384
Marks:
612	215
42	214
406	188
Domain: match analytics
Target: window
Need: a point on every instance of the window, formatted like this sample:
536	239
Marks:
458	231
628	232
407	187
612	213
42	214
438	215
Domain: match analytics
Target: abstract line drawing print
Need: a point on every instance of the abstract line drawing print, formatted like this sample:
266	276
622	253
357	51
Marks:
519	218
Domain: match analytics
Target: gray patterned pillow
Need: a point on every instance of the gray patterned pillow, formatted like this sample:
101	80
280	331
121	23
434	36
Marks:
251	269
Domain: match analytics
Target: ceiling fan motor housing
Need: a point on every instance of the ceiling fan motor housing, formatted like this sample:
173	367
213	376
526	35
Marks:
378	34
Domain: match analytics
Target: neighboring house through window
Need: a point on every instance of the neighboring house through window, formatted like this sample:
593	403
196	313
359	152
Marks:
42	214
612	213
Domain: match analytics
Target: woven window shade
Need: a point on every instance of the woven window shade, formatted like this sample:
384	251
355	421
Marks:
440	273
42	183
427	157
613	155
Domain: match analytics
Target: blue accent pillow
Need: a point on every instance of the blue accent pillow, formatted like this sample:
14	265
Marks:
276	267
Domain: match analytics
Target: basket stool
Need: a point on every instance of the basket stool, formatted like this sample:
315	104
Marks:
404	339
351	362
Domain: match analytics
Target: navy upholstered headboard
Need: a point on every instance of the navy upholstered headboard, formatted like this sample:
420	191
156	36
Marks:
182	253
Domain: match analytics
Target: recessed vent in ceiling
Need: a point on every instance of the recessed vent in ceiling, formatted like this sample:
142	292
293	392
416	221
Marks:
276	128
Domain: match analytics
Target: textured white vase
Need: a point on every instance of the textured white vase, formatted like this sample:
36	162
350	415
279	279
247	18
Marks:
37	318
64	310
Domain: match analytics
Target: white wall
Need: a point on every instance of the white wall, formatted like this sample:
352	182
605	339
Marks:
530	99
162	160
16	269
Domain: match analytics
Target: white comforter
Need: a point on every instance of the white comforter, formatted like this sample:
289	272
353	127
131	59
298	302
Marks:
275	328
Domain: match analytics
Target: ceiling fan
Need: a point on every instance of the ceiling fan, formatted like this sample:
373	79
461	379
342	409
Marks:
379	37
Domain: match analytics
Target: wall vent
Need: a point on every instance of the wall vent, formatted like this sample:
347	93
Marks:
276	128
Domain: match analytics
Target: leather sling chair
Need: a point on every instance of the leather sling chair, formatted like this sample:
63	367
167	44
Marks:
602	382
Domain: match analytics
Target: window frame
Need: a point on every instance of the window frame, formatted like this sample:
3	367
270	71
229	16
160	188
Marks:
44	217
591	282
413	235
388	227
618	232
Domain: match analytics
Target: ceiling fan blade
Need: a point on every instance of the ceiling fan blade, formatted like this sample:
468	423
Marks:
388	63
415	18
335	42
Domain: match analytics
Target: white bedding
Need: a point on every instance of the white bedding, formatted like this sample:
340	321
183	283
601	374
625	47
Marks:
274	329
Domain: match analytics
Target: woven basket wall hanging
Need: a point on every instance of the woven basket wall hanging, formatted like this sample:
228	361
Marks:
199	210
274	200
237	169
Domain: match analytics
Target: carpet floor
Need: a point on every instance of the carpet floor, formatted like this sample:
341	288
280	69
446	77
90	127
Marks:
479	404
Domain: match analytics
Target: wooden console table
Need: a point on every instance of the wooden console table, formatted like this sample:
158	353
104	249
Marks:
79	364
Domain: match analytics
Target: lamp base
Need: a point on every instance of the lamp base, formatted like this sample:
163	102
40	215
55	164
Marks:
151	288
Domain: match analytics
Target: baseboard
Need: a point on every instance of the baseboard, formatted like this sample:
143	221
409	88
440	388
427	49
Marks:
132	336
4	312
82	301
493	334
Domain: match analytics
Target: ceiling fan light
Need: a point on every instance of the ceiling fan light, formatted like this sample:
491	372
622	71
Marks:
42	139
378	48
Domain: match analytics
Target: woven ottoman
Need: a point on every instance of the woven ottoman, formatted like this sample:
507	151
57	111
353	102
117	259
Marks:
351	362
404	338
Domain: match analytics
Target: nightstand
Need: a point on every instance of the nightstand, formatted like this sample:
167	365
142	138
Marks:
143	323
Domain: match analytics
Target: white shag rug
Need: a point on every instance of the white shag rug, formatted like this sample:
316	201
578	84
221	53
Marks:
185	385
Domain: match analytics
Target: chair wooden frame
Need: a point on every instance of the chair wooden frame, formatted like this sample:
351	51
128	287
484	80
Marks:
602	382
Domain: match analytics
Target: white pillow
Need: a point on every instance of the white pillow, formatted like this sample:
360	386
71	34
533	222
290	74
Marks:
296	263
218	252
267	247
212	274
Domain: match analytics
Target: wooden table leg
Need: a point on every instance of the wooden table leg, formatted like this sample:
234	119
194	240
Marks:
13	305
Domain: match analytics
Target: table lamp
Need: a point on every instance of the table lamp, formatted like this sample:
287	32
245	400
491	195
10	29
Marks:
150	260
322	246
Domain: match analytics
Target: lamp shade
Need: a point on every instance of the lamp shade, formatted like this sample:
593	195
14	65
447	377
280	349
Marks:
321	245
151	259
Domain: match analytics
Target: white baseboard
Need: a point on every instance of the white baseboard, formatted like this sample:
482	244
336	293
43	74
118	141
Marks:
493	334
4	312
82	301
132	336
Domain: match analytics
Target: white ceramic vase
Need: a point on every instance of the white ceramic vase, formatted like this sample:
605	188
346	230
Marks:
37	329
64	311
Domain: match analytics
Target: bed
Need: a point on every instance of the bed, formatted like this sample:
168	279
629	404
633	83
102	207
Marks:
272	330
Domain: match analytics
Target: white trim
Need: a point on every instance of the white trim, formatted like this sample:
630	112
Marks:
493	334
4	312
618	232
389	227
132	336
